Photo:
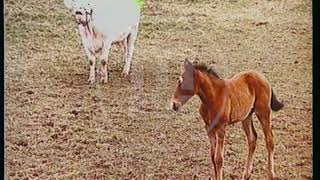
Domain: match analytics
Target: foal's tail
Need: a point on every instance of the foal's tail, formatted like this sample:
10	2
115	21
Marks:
276	105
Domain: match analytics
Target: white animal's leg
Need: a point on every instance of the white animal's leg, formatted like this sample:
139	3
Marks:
131	40
92	75
124	46
104	62
91	57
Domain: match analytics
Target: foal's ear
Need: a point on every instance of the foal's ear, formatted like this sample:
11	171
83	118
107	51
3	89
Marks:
187	64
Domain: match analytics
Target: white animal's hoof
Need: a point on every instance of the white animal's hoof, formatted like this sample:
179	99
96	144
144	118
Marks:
104	80
124	74
91	80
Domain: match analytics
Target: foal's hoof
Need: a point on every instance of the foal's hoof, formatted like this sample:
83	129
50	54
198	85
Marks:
246	177
273	178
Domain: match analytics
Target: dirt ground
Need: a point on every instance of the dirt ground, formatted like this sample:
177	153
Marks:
59	127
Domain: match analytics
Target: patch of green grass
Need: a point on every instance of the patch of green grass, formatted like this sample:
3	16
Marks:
140	3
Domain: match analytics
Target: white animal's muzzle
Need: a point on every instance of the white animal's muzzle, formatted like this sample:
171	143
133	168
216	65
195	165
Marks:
83	17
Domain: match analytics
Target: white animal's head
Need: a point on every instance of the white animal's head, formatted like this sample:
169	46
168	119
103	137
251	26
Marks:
81	9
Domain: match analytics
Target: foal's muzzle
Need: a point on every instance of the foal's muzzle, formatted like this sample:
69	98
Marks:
175	106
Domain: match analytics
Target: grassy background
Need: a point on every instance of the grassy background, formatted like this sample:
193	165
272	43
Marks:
59	127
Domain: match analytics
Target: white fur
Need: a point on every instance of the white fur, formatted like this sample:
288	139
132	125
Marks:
113	21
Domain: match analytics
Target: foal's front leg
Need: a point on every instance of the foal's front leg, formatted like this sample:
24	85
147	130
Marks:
213	142
219	158
217	147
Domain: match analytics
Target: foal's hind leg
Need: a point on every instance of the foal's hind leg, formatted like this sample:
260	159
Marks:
264	117
251	133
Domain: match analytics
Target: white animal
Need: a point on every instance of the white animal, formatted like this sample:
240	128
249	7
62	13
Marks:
102	23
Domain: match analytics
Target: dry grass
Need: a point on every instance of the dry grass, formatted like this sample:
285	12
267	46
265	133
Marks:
59	127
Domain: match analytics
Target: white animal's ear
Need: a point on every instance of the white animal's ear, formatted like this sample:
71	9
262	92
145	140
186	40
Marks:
69	4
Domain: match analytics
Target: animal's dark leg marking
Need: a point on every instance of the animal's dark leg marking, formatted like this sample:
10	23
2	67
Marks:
103	62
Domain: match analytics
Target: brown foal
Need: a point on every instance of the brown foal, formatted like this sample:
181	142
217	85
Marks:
226	101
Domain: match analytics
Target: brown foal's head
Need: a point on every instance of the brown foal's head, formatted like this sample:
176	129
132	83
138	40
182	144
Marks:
185	88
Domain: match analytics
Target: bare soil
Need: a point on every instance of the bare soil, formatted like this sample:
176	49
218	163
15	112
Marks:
59	127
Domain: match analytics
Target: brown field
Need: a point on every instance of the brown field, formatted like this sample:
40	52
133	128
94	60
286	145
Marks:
59	127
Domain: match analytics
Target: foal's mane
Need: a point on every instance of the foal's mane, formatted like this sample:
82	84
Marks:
204	68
